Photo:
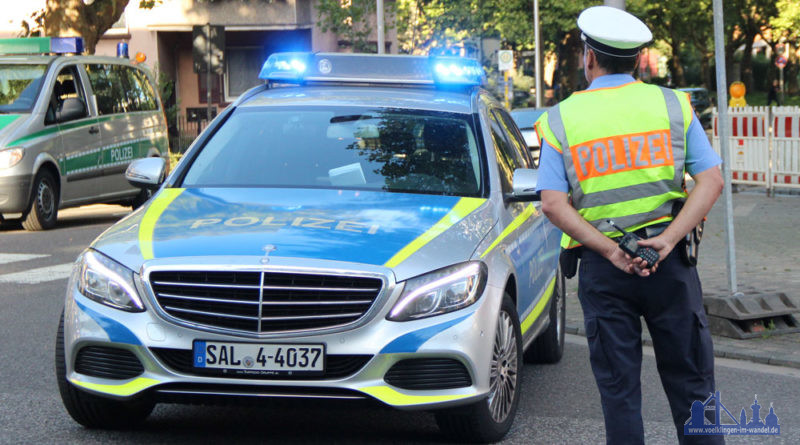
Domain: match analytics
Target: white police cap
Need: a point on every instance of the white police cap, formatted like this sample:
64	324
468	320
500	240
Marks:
613	31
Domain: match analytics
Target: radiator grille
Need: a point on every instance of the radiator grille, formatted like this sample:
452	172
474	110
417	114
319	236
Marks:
264	302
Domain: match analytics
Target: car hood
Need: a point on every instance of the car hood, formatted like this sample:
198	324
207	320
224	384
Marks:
376	228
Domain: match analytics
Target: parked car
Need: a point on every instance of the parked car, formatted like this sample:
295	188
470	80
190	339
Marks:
525	118
69	127
335	233
701	102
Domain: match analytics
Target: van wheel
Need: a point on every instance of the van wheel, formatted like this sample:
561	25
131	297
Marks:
43	212
549	346
90	410
489	420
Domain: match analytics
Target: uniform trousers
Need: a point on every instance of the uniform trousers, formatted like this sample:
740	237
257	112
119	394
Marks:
671	303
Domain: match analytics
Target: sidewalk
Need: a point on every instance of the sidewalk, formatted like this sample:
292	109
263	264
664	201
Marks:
767	259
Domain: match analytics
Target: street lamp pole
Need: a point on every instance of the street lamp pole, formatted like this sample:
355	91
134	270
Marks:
538	48
381	37
724	141
620	4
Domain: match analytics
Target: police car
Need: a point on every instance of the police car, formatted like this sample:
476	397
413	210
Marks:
359	227
69	127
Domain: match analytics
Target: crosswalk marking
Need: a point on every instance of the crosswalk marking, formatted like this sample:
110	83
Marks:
6	258
39	275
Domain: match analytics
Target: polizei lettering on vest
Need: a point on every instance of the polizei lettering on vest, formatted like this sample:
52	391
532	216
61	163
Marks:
615	154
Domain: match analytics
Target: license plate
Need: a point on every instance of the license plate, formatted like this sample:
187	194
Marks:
258	358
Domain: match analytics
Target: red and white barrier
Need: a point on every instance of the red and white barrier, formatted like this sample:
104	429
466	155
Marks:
786	147
764	145
749	144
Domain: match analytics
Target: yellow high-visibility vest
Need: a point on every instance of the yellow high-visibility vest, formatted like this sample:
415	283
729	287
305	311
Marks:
624	150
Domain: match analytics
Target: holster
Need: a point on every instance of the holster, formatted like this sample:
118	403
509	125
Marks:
569	261
689	246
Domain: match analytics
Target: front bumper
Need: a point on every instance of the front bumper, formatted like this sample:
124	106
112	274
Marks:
464	337
15	193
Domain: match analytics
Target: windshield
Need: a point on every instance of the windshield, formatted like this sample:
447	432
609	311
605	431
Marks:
19	85
342	147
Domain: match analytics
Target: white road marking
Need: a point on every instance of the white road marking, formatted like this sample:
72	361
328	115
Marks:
718	361
6	258
40	275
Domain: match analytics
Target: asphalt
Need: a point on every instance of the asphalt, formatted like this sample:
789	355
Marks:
767	249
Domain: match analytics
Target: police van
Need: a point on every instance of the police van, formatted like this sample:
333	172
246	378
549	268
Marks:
69	127
359	227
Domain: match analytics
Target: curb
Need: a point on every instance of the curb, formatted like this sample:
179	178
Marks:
720	351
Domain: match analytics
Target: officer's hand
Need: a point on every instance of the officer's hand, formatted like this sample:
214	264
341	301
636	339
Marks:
622	261
660	245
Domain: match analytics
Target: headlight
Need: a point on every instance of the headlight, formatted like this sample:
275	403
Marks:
108	282
10	157
442	291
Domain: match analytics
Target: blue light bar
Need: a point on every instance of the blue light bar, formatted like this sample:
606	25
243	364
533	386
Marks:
63	45
372	69
457	71
42	45
285	66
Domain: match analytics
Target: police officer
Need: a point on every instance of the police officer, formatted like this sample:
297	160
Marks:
619	150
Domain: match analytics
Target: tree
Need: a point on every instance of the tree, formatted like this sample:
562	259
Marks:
90	20
348	19
785	30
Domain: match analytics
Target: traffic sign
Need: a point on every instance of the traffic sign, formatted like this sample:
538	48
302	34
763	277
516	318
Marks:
780	62
505	60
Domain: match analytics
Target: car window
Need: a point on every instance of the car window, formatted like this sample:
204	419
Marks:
120	89
506	161
342	147
516	138
19	86
66	86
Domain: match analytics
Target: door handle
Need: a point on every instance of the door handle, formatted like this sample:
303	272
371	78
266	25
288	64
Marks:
94	130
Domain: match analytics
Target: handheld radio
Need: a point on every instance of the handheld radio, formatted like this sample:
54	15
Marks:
628	244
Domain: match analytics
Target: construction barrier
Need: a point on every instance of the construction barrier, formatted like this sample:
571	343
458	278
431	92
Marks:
786	147
764	145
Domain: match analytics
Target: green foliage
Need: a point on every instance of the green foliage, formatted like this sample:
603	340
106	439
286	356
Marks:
348	19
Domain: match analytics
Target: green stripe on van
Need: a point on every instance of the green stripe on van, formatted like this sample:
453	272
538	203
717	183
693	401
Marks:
6	119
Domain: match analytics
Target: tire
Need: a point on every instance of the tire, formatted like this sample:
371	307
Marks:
43	211
549	346
92	411
489	420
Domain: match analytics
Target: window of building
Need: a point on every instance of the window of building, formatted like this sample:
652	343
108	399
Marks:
242	65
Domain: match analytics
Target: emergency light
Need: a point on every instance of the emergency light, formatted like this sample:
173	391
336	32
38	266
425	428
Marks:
372	68
42	45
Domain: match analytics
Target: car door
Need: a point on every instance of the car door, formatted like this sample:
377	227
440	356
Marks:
549	250
527	240
80	138
128	115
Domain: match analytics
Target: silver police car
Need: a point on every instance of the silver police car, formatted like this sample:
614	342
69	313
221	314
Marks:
359	227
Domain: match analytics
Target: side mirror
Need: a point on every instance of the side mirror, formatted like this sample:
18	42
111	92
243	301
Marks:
72	108
524	185
146	173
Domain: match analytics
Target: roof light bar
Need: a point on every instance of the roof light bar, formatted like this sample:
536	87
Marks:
42	45
457	71
285	67
372	68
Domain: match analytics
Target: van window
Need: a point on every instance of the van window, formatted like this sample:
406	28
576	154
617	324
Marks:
121	89
66	86
19	85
